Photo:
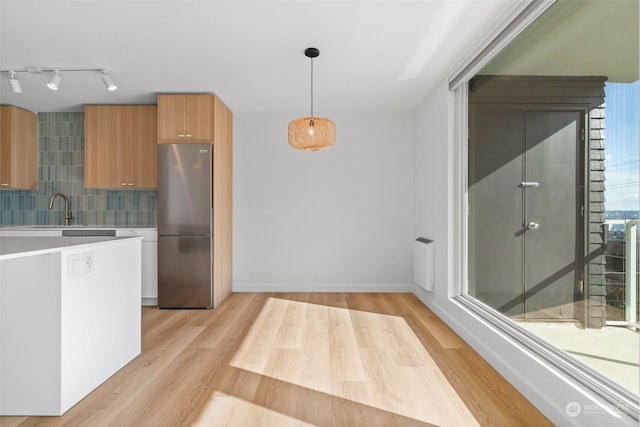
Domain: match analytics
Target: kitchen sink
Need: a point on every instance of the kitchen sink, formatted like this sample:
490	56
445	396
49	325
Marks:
89	232
55	226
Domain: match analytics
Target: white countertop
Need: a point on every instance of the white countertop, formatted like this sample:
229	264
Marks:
150	234
84	227
16	247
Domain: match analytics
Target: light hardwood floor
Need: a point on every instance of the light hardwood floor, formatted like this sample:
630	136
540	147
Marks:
301	359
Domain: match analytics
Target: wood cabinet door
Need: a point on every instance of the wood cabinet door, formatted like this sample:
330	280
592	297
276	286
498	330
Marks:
122	146
172	110
104	147
5	147
199	118
143	147
26	161
18	148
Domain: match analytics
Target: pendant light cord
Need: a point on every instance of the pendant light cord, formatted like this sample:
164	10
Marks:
312	87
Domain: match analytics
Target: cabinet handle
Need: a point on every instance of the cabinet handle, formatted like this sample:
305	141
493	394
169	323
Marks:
124	184
4	184
180	135
188	135
130	184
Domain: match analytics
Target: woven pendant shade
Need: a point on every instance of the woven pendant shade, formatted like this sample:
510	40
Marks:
312	133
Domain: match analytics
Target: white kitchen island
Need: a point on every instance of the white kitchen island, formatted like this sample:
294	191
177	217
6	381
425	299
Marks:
69	318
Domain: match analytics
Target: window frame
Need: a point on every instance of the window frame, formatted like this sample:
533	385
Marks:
521	17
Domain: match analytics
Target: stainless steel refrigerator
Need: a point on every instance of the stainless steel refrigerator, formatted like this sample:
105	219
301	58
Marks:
185	226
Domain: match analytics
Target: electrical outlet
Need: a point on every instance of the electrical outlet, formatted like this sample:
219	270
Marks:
88	262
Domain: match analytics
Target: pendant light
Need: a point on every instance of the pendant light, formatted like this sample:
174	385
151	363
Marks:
312	133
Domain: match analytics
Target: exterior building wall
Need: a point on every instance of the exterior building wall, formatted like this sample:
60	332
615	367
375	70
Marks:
597	294
585	93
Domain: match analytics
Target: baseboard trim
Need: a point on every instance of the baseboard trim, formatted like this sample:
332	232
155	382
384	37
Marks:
278	287
149	301
351	288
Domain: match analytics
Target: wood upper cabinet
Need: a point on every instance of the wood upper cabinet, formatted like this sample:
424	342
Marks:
18	148
121	146
185	118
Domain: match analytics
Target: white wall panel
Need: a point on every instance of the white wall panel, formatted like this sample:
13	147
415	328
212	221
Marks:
338	219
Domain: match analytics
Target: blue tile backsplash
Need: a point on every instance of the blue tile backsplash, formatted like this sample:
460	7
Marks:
61	169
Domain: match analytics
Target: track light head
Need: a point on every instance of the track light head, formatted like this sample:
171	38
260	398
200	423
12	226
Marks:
14	82
54	81
108	82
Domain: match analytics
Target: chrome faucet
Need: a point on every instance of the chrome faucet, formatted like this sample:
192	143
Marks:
67	213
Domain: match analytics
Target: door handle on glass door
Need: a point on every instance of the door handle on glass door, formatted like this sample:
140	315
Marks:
531	184
533	226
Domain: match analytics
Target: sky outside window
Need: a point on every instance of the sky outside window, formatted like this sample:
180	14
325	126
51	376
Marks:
622	147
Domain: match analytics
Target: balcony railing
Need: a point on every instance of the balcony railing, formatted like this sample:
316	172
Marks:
630	282
622	274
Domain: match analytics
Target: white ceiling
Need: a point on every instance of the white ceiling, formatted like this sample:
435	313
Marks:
374	55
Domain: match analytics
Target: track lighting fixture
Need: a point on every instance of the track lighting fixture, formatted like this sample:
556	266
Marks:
54	81
14	82
56	78
106	79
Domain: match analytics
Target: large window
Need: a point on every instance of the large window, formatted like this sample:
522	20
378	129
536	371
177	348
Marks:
553	184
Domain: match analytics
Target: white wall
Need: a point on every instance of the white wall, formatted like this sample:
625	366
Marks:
430	191
346	210
434	199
